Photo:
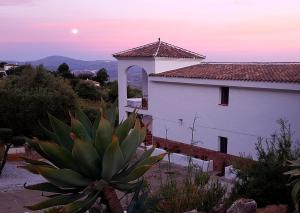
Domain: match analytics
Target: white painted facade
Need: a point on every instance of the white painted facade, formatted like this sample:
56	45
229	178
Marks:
150	65
254	107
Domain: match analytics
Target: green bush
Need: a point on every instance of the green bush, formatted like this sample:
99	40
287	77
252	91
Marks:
26	99
264	180
87	90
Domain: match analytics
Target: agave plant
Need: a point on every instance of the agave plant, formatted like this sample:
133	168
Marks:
87	162
295	181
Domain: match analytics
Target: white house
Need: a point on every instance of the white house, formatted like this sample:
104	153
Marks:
7	67
233	103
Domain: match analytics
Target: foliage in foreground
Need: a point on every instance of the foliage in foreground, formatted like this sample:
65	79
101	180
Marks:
26	99
88	161
294	181
264	180
197	191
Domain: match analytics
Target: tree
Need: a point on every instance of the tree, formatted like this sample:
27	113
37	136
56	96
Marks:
64	71
89	161
102	76
27	98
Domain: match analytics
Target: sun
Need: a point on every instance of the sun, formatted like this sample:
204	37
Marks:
74	31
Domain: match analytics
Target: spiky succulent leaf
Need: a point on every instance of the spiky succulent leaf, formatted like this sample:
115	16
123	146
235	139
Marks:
113	159
56	201
81	205
49	187
79	130
58	155
132	141
103	136
87	158
63	177
123	129
79	115
62	131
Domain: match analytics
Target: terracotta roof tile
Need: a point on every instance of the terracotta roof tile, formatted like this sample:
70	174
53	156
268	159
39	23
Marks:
159	49
269	72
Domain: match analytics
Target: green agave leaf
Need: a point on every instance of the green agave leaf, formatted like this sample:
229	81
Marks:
79	115
34	168
62	131
56	201
123	129
96	123
49	187
295	192
136	173
151	160
111	115
132	141
79	130
103	136
113	159
59	156
63	177
126	171
82	205
87	158
36	147
49	134
36	162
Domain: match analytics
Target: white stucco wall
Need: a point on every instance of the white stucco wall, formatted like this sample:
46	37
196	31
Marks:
251	113
150	65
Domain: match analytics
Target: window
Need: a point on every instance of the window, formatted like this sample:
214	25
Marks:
224	95
223	144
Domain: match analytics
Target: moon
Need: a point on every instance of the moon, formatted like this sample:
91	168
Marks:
74	31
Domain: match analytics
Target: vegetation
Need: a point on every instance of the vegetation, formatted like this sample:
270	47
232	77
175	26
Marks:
294	181
64	71
197	191
6	141
89	161
27	98
133	92
87	90
264	180
102	76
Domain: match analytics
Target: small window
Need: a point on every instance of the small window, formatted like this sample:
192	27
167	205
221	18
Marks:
224	95
223	144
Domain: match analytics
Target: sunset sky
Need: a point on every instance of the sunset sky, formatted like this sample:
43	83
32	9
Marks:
223	30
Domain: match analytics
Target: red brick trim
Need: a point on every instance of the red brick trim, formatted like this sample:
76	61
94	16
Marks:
220	159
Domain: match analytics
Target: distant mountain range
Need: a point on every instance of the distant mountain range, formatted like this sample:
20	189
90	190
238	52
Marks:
82	66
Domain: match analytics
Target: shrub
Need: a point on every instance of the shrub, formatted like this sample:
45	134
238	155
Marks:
26	100
87	90
263	180
196	192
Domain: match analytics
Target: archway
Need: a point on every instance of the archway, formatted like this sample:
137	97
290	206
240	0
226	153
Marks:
137	87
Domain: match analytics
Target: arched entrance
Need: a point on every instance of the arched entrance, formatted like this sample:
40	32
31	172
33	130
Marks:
137	87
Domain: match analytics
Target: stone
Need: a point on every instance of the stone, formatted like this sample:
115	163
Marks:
273	209
243	206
